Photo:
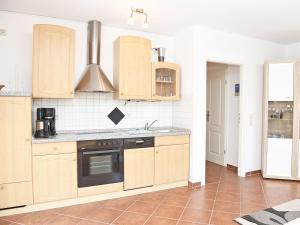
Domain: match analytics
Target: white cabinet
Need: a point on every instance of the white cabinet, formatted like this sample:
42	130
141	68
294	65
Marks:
279	157
281	81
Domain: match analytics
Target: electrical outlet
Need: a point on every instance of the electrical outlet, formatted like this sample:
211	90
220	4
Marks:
2	32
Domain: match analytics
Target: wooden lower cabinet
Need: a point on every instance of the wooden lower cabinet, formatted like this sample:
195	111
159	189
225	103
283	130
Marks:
15	194
138	168
171	163
54	177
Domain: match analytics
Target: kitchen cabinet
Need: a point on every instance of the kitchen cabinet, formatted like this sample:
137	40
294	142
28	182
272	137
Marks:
15	194
165	81
55	174
15	152
53	61
281	120
280	75
132	68
15	139
138	168
171	160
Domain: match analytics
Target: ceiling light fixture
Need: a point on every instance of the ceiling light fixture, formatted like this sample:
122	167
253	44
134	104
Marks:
130	20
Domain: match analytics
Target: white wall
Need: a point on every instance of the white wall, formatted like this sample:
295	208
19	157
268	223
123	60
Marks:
85	111
211	45
232	114
292	51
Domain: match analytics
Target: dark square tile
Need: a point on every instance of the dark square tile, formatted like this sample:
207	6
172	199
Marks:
116	115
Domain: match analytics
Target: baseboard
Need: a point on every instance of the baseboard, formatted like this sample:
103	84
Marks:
251	173
232	168
196	185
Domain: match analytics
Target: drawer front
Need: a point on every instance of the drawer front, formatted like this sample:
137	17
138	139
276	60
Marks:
172	140
54	148
15	194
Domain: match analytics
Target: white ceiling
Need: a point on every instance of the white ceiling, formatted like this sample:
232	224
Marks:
273	20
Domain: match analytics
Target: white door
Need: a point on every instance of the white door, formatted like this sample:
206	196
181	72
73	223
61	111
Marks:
215	115
281	81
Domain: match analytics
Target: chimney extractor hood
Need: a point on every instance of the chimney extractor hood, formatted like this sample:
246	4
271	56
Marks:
94	79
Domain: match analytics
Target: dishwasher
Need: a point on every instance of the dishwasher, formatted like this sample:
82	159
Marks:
138	162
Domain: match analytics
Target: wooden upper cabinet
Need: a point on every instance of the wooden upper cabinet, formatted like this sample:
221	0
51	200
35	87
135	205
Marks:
165	81
132	68
15	139
53	61
280	81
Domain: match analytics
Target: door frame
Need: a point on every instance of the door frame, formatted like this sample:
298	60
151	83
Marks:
241	169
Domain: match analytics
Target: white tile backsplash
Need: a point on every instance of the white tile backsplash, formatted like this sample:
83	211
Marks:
90	110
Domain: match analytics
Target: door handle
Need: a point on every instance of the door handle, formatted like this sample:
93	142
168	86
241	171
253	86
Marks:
139	142
207	116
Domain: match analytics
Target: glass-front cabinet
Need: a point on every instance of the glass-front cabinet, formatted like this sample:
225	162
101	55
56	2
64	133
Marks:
281	120
165	81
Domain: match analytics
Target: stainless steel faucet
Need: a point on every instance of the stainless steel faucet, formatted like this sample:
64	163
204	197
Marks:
147	126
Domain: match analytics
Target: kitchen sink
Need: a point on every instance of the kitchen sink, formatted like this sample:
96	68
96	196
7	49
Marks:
139	131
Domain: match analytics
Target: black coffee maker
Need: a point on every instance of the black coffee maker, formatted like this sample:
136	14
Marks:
45	123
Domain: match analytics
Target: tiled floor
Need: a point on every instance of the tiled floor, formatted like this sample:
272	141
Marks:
225	197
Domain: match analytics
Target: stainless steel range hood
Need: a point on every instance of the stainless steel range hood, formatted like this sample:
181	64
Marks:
94	79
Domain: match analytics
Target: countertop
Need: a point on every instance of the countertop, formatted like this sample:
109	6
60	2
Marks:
81	135
15	94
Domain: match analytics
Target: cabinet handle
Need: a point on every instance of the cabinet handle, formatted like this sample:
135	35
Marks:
54	148
121	93
2	188
156	152
28	139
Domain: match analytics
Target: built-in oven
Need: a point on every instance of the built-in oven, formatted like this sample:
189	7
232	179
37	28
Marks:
100	162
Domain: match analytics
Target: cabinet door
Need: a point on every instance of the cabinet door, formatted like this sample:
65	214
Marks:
132	76
54	177
15	194
279	157
138	168
171	163
281	82
53	62
15	139
165	81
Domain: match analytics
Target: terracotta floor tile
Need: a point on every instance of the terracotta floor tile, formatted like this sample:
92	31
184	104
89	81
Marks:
3	222
36	218
175	200
196	215
80	211
248	208
154	197
88	222
129	218
204	194
160	221
229	207
171	212
228	196
204	204
104	215
210	187
229	187
219	218
119	203
143	207
63	220
189	223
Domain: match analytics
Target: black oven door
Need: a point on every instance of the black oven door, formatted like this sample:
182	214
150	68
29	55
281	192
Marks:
104	166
